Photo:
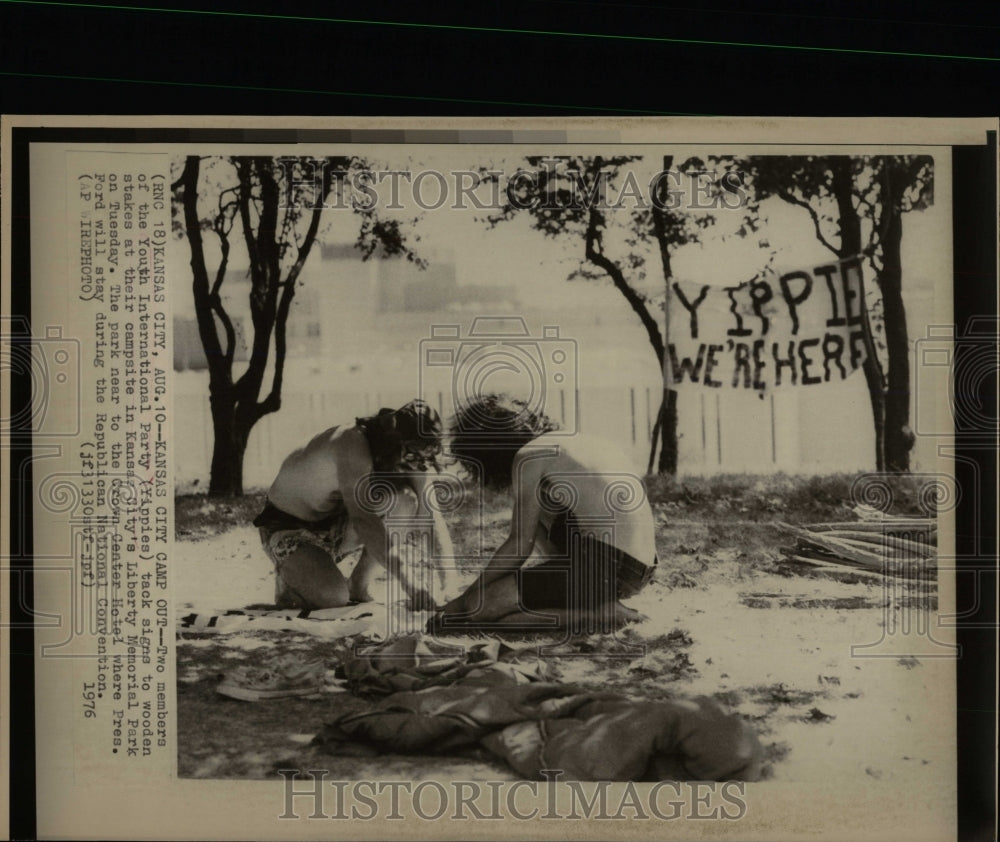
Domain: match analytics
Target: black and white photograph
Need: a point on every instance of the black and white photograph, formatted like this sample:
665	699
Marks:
432	491
525	479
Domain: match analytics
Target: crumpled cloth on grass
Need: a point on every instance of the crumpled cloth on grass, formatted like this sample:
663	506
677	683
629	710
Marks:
416	661
588	736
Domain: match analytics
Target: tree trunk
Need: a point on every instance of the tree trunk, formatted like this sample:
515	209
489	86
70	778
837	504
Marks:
228	446
850	245
668	406
227	462
668	434
226	476
898	436
236	406
664	438
666	421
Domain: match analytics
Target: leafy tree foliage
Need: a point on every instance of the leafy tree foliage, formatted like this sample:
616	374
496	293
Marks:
275	206
583	198
856	205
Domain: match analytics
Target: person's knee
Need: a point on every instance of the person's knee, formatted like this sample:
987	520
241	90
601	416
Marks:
323	594
311	595
312	576
330	595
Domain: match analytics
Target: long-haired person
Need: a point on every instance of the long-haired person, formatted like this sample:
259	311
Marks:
575	505
319	509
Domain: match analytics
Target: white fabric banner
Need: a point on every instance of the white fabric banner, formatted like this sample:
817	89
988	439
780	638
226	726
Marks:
803	327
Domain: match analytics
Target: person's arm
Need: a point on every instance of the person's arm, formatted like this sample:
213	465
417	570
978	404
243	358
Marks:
513	552
444	551
370	527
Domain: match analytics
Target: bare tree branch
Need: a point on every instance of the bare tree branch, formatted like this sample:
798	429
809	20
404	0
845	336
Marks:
222	232
180	180
791	198
596	256
220	374
272	403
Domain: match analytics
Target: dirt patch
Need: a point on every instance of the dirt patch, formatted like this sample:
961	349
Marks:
769	600
784	647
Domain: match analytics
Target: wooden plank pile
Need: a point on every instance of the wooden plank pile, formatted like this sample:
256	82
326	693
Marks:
888	546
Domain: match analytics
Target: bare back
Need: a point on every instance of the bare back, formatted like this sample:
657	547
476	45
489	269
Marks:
308	484
587	475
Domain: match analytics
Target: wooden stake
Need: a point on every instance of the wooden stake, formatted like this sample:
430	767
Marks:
888	525
844	569
884	541
839	548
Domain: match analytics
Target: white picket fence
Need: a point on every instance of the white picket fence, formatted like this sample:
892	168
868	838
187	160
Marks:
625	416
718	431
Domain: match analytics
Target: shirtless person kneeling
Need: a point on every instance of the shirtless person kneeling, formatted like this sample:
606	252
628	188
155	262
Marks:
316	501
573	505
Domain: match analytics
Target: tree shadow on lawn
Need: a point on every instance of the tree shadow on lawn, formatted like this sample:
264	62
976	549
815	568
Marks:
224	738
710	535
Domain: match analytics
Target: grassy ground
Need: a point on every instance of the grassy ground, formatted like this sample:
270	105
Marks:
728	618
717	498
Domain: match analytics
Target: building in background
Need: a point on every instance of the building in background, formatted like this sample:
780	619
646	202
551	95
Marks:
354	337
349	307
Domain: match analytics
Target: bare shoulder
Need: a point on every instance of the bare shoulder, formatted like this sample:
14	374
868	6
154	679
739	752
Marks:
349	447
582	452
539	456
